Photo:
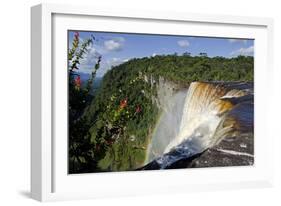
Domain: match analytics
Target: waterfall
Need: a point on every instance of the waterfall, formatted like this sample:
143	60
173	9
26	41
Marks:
194	120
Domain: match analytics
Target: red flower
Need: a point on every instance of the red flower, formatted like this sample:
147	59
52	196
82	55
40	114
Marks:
77	81
138	109
123	103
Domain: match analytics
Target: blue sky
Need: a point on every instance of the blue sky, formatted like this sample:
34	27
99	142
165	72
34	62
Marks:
117	48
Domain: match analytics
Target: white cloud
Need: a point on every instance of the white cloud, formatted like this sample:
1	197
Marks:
183	43
154	54
115	44
115	61
90	59
238	41
95	50
108	64
248	51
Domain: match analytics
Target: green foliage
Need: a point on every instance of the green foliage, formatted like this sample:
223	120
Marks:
81	155
185	69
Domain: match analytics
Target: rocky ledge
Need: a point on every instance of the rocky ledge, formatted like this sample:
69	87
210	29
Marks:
231	151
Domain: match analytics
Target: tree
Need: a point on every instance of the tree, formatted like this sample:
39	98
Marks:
186	54
203	54
80	154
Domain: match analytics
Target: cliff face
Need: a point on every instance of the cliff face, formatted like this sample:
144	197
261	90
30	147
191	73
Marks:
168	98
165	90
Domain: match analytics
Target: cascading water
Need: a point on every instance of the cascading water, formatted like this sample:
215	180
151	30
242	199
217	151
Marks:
202	113
194	120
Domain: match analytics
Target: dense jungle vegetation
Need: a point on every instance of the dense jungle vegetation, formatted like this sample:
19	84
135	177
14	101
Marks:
109	129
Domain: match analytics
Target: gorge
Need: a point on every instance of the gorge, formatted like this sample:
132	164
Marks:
200	117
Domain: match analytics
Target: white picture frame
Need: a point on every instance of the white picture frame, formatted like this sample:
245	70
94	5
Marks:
49	179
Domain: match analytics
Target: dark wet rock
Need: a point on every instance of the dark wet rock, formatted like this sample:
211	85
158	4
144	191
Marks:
182	163
233	151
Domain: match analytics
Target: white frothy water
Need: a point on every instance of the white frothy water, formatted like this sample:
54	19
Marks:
200	116
192	122
167	127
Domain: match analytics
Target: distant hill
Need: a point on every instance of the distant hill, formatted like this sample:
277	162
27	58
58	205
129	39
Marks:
84	78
